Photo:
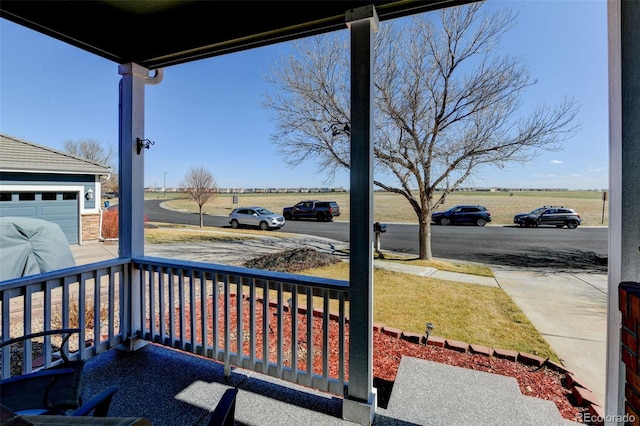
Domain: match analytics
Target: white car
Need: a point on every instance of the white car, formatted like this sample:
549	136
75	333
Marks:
255	216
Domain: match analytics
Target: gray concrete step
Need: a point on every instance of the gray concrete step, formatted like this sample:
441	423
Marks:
431	393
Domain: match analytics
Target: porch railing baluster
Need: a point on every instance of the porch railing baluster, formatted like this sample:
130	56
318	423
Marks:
266	325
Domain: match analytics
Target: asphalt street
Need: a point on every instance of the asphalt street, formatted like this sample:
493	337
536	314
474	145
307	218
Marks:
584	249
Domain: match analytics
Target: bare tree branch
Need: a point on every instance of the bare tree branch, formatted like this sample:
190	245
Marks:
447	102
201	186
92	150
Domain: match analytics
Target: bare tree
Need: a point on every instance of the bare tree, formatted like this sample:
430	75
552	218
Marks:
92	150
446	104
112	184
200	185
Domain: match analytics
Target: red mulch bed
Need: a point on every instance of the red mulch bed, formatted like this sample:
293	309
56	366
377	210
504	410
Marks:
541	382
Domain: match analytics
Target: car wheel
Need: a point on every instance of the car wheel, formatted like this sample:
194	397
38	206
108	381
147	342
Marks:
287	216
320	217
481	222
444	221
264	226
235	224
572	224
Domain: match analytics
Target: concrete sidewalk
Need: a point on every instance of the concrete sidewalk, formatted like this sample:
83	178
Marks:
569	310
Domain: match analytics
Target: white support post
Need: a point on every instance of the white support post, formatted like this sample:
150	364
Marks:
131	186
359	405
624	178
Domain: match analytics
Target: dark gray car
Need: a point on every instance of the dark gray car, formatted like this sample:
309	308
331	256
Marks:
557	216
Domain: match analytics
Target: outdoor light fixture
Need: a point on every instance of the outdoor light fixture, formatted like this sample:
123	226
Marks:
144	143
428	332
89	194
289	302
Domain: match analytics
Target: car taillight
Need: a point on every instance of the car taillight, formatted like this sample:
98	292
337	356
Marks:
330	210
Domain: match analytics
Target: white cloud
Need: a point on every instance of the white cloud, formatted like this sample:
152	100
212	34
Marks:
556	162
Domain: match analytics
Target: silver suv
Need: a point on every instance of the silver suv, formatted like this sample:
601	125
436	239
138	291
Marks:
256	217
557	216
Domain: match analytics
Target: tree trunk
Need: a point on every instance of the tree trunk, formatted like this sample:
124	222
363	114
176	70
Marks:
424	237
201	218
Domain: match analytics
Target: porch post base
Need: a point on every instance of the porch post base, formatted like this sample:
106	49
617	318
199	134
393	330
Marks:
360	412
132	345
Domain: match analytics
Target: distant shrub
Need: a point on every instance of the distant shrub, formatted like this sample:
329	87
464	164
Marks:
110	224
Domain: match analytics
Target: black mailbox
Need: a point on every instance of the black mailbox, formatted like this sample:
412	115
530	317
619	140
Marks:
379	227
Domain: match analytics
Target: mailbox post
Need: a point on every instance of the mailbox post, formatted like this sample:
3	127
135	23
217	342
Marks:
379	228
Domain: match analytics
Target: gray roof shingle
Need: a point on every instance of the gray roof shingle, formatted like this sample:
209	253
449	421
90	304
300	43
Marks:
20	155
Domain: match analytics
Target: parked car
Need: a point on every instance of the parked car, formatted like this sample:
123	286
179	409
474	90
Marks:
322	211
255	217
557	216
463	214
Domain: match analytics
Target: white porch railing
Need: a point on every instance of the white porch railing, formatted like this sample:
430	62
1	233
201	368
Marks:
238	316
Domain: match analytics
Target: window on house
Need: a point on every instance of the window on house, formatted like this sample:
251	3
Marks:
49	196
69	195
27	196
5	196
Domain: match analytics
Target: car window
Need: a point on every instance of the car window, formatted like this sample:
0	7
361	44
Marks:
263	212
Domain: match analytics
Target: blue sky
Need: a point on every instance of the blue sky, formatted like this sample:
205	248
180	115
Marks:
209	113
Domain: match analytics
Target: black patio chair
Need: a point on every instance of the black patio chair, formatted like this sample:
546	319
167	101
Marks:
225	411
98	405
55	390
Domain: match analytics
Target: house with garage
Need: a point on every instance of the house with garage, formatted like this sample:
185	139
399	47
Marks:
40	182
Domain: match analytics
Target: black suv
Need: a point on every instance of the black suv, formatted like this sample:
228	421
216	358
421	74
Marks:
460	215
322	211
558	216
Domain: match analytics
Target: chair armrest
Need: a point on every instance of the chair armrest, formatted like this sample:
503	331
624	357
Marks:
65	332
99	404
225	411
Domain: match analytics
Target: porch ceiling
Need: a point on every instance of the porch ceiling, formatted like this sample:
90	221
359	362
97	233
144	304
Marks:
157	33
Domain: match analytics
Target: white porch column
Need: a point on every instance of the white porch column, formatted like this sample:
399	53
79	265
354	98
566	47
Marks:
131	182
360	403
624	181
131	201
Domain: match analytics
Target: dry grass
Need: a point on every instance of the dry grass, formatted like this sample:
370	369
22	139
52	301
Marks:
167	233
389	208
463	268
465	312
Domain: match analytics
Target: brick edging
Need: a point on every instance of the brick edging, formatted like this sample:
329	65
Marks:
583	395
